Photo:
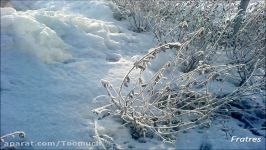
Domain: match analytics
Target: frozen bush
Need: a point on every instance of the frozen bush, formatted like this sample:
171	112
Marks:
171	101
188	89
247	46
177	21
18	135
137	13
172	21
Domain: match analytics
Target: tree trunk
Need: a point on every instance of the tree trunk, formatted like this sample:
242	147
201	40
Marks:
241	12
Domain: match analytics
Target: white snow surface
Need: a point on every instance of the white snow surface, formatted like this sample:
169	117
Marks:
53	56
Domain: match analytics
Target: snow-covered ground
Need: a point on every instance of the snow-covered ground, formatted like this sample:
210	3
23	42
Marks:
53	56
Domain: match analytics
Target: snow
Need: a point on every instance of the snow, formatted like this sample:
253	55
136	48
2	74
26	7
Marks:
7	11
161	60
52	61
53	56
113	57
217	139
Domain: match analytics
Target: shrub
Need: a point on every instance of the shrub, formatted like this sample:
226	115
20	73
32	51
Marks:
171	101
192	86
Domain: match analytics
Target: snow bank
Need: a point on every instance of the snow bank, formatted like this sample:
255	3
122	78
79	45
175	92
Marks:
81	7
32	36
53	35
53	55
7	11
56	36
